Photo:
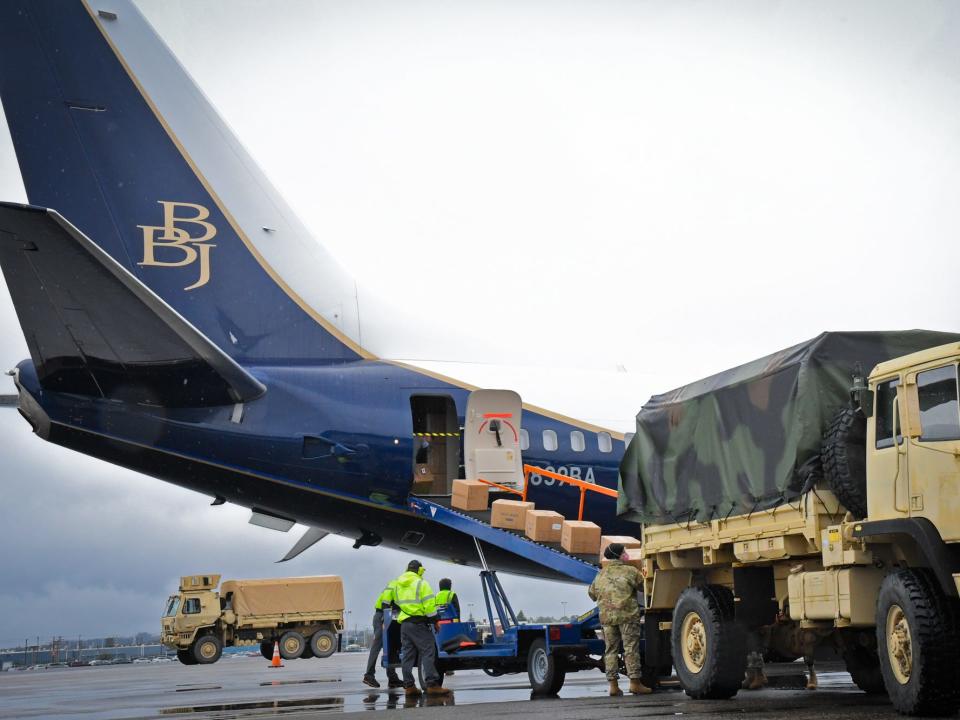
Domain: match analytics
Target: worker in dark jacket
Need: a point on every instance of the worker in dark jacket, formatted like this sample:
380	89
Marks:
446	596
382	606
417	618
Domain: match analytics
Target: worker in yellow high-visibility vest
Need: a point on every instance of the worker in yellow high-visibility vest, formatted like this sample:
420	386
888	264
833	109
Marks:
446	596
382	606
418	615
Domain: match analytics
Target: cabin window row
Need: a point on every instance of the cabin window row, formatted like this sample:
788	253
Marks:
550	441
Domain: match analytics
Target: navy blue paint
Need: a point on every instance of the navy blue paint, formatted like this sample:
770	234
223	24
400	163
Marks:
105	171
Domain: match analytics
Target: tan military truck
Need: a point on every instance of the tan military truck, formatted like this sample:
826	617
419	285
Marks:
305	615
779	513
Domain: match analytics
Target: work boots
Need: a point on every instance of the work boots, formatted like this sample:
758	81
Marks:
438	691
754	679
811	678
638	688
615	690
412	692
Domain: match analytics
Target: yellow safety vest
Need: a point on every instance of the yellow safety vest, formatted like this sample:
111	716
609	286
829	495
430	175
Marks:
387	596
414	596
445	597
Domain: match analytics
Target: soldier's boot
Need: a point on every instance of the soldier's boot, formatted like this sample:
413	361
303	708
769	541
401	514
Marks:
412	691
755	679
615	690
638	688
438	690
811	678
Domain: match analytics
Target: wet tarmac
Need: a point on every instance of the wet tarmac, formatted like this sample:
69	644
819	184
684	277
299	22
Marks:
246	688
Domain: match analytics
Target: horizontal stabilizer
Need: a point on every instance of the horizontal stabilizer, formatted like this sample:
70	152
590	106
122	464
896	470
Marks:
310	538
94	329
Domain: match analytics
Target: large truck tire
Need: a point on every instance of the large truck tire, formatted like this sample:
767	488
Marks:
919	644
843	455
266	649
186	657
291	645
709	646
545	670
863	664
323	643
206	649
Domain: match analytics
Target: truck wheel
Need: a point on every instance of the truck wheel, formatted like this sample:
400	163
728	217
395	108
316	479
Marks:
307	651
207	649
917	639
843	455
266	649
186	657
863	664
291	645
323	643
709	646
545	670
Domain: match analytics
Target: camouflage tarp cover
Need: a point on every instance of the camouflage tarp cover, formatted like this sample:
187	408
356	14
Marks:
748	438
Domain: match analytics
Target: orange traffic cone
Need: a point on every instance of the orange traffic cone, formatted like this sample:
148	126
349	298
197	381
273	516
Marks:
275	663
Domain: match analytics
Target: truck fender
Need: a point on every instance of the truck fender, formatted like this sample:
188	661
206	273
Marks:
943	558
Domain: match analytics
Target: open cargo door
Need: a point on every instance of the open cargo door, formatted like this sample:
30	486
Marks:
491	437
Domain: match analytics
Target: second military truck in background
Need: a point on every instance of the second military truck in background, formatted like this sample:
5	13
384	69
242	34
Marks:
304	615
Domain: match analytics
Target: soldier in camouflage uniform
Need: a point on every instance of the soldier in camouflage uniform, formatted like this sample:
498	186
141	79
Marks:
615	592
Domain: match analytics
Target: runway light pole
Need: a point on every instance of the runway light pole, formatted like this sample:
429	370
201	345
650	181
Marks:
563	604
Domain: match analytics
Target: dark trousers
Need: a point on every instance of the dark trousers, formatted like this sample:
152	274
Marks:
376	646
418	646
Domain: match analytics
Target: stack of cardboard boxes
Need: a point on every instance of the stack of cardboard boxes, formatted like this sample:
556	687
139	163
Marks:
580	537
471	495
510	514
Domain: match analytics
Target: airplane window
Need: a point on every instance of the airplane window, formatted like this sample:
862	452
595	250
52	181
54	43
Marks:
550	443
577	441
604	442
627	437
524	439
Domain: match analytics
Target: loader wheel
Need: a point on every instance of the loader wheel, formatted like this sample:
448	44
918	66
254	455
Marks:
323	643
266	649
545	670
843	455
863	664
917	639
709	646
291	645
207	649
186	657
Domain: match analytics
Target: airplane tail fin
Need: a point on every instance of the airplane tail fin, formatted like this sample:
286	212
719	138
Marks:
95	330
112	133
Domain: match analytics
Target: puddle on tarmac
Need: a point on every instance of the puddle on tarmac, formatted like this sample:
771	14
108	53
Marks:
193	688
317	703
273	683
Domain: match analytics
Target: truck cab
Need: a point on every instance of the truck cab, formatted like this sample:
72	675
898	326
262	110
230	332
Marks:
196	606
913	440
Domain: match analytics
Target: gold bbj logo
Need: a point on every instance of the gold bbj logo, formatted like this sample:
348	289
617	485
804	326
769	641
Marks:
176	246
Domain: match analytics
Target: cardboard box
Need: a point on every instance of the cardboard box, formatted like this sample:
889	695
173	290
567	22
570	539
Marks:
625	540
510	514
633	558
544	526
580	537
470	495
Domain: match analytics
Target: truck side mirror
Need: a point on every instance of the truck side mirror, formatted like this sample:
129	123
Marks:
863	398
908	401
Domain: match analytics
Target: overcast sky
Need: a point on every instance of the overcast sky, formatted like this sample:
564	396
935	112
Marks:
660	189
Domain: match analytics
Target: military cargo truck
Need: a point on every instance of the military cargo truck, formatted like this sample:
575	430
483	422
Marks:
783	508
304	615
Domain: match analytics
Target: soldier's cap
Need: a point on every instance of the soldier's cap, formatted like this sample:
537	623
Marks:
613	551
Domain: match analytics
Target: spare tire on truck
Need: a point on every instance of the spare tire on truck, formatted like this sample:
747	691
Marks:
843	455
